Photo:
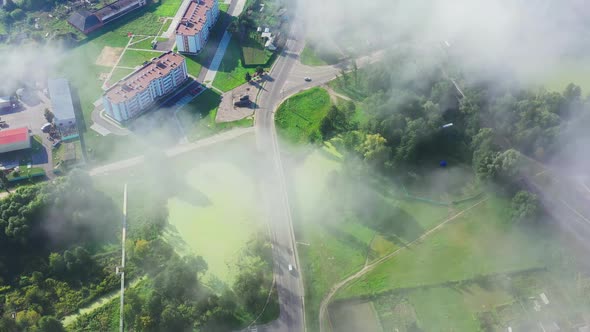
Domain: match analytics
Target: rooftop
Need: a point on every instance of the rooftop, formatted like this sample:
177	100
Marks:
61	98
194	17
10	136
84	20
114	8
138	81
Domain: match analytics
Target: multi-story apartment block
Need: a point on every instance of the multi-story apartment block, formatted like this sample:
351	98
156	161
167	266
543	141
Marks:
193	30
139	91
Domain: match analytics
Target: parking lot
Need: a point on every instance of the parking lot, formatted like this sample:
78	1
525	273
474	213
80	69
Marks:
30	114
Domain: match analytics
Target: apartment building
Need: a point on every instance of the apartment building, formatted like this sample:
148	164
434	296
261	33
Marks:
139	91
193	30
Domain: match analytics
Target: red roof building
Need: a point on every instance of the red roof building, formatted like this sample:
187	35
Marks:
14	139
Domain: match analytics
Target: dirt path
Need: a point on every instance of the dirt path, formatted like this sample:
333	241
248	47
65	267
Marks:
335	95
368	268
3	194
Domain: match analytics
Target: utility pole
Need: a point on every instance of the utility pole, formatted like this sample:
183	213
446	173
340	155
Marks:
122	267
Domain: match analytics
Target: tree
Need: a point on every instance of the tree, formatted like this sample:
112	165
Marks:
233	27
4	181
50	324
49	116
259	70
374	149
17	14
524	207
57	265
248	77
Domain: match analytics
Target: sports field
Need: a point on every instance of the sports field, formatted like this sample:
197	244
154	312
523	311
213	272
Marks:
215	216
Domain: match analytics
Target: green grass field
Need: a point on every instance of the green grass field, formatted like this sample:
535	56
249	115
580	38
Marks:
254	52
311	57
340	237
118	74
223	7
216	216
133	58
479	242
167	8
298	118
575	71
231	71
198	117
145	42
193	65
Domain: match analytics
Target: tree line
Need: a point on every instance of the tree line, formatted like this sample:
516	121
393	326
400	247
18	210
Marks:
415	117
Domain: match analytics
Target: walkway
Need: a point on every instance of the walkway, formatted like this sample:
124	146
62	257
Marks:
212	71
209	70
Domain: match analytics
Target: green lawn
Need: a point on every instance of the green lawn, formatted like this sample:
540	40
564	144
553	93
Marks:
215	215
145	42
254	52
223	7
118	74
133	58
340	229
442	309
568	70
298	118
26	173
231	71
198	117
167	8
479	242
311	57
193	65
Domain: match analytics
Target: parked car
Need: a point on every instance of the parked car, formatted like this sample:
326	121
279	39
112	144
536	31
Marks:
46	127
56	144
290	267
307	79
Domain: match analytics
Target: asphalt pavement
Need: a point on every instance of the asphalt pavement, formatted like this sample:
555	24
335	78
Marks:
289	283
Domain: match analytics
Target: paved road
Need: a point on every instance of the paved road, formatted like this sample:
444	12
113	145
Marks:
287	78
289	283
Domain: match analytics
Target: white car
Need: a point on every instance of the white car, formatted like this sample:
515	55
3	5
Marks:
290	267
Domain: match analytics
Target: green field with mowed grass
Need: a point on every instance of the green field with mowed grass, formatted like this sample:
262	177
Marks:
341	235
298	118
214	216
134	58
478	242
254	52
118	74
231	72
198	117
312	57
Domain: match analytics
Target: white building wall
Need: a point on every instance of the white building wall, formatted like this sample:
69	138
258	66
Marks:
158	87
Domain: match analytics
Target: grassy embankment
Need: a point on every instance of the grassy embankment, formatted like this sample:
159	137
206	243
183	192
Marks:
311	56
198	117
